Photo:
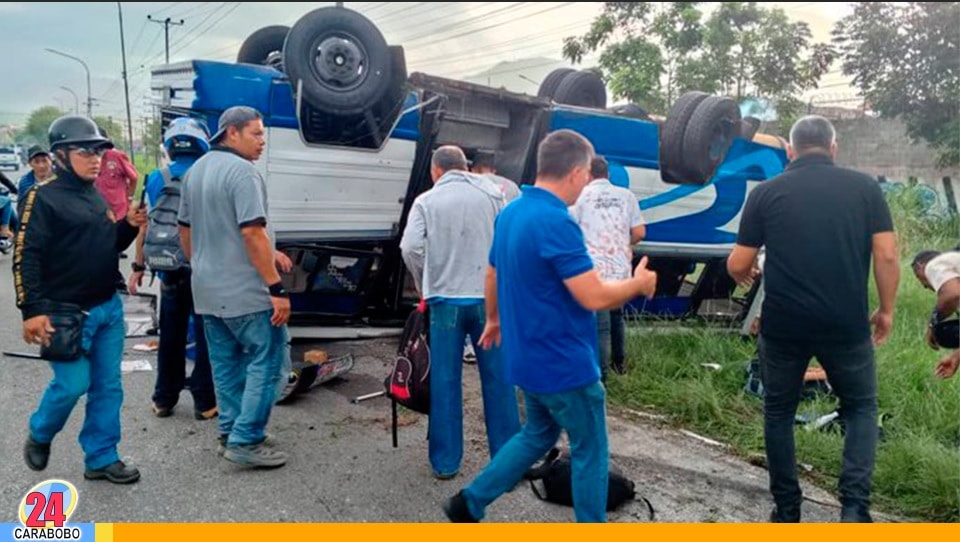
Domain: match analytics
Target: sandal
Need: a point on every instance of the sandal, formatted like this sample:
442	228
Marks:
206	414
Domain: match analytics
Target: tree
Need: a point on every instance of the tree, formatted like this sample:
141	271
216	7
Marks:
741	50
657	40
38	123
115	131
905	59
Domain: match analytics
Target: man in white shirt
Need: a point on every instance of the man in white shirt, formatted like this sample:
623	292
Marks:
610	219
940	272
484	163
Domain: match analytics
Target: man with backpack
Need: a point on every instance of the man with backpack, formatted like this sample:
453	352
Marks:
444	245
159	249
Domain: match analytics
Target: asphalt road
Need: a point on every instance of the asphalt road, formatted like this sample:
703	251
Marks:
343	467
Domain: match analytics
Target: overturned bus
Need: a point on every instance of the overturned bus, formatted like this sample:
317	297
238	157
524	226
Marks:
349	140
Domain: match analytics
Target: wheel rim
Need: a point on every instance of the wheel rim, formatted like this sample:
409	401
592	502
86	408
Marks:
340	62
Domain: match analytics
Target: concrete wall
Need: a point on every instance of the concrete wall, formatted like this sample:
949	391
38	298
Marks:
881	147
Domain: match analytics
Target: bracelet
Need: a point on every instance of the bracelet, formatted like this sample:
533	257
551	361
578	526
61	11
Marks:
277	290
138	267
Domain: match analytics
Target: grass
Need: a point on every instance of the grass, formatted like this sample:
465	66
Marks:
917	472
144	164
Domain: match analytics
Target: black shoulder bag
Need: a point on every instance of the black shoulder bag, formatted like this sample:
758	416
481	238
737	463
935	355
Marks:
66	343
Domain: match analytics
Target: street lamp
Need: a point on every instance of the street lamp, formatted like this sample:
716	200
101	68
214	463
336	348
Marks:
76	100
84	64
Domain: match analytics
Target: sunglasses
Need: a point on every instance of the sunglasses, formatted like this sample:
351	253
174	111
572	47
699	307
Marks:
88	152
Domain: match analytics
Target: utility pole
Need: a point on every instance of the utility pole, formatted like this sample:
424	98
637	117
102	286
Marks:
76	100
166	32
126	84
146	136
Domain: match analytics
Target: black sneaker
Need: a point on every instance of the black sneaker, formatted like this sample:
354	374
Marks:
161	411
855	514
456	509
116	472
619	366
36	454
778	515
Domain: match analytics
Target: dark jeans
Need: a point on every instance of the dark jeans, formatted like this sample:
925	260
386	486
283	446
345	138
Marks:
176	308
603	343
610	342
852	373
617	338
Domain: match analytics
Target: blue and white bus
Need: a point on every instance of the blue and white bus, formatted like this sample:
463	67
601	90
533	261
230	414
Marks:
349	140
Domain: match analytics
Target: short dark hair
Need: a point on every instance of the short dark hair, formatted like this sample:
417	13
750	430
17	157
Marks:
449	157
599	168
561	152
812	132
485	159
923	257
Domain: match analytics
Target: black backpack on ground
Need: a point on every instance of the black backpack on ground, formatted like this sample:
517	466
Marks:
409	381
556	475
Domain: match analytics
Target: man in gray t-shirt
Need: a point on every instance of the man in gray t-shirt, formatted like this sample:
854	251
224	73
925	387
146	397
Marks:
236	284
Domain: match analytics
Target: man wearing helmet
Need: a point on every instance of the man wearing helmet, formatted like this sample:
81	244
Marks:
67	258
185	140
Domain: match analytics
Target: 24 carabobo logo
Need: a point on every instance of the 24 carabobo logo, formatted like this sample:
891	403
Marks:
44	512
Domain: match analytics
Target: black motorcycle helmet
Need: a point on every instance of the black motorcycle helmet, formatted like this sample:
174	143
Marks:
74	130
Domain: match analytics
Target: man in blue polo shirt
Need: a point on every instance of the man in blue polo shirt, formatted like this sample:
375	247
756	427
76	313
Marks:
542	291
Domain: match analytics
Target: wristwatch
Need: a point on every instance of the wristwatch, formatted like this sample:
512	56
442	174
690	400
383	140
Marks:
138	267
277	290
935	318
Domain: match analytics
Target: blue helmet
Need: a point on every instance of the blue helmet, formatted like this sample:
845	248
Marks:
186	135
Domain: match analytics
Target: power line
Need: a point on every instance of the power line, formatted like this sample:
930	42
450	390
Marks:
193	8
488	27
169	6
201	33
460	26
147	63
495	47
166	32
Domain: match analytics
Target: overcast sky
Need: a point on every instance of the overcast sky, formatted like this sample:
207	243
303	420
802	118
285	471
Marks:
452	39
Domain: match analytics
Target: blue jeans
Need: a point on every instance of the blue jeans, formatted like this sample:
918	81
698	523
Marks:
97	375
176	308
582	413
247	355
852	374
6	211
449	324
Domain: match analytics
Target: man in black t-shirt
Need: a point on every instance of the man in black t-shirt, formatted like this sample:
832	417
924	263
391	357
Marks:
820	224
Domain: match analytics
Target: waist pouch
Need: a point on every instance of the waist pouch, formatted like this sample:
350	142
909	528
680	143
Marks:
66	343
